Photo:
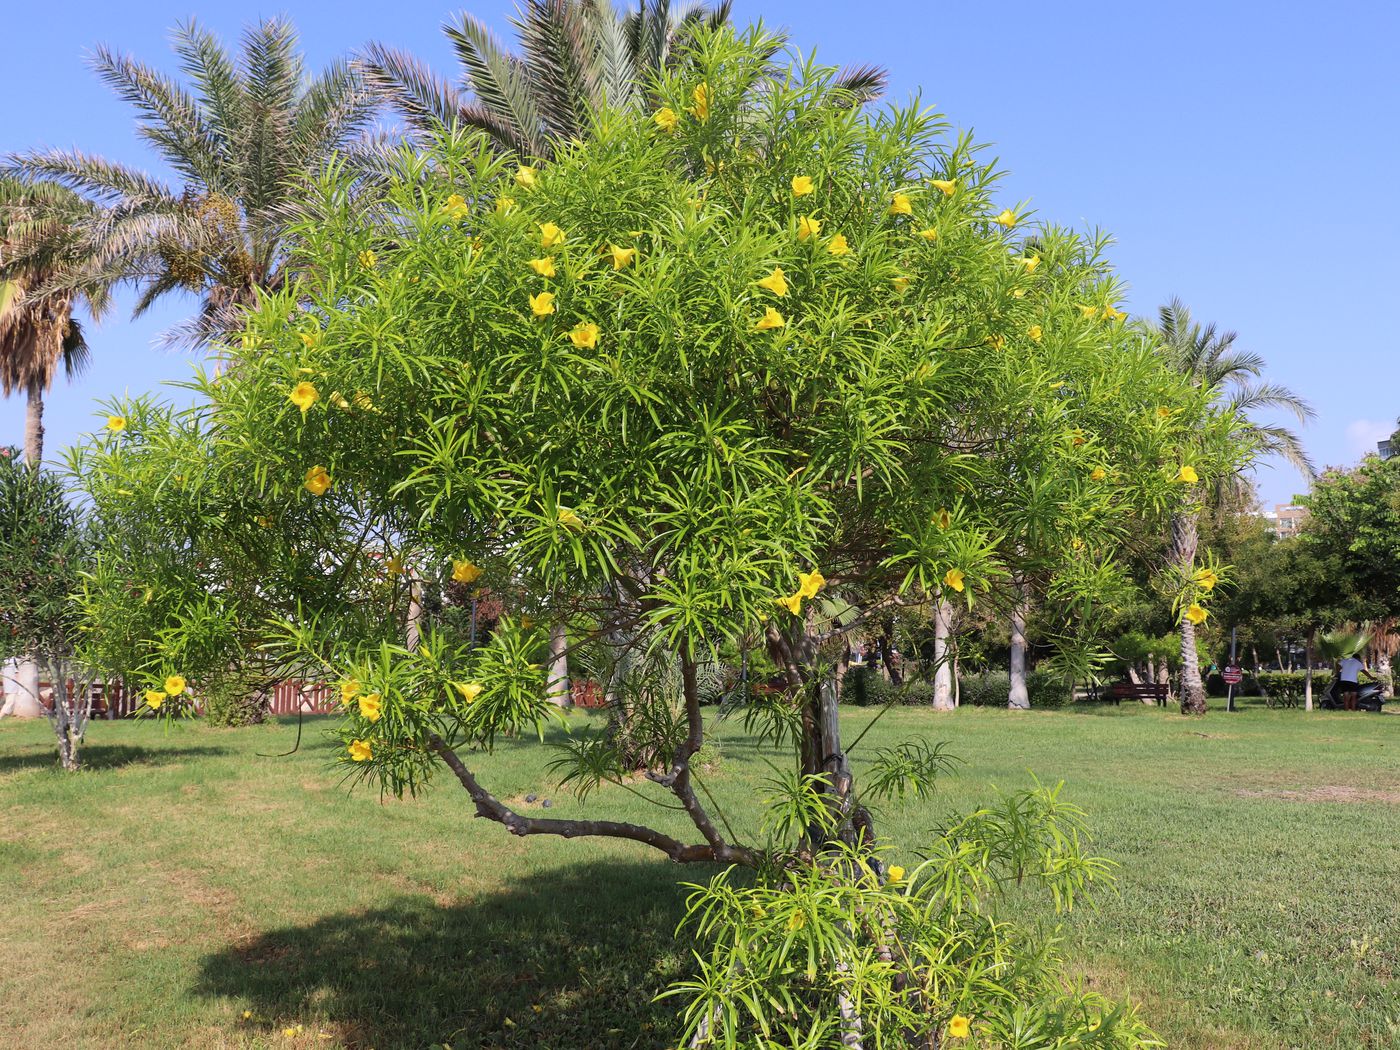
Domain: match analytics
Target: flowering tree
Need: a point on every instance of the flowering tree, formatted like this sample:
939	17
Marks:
749	370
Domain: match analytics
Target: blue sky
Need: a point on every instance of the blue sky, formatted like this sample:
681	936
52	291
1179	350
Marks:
1243	154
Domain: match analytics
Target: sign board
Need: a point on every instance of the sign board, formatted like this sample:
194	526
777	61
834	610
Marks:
1232	675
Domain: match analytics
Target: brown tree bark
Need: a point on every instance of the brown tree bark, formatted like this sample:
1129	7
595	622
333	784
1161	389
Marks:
34	426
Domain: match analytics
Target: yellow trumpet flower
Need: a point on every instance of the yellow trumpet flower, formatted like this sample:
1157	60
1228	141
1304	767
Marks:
775	282
770	320
304	395
464	571
584	335
317	481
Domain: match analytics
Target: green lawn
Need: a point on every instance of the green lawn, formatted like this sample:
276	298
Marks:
184	879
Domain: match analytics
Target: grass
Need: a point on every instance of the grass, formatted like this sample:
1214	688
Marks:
184	879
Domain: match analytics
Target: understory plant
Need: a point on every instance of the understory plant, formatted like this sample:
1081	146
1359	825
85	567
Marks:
747	372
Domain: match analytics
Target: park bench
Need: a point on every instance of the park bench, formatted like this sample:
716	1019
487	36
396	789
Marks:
1120	691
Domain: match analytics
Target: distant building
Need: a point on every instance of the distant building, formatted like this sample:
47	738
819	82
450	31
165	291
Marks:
1386	448
1285	520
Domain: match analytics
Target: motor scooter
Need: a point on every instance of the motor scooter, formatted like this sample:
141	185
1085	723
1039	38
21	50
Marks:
1370	696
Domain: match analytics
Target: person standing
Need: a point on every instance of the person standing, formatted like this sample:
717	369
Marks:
1349	672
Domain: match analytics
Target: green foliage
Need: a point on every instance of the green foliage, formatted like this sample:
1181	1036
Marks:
1046	688
1354	520
865	686
1287	688
988	689
811	955
42	551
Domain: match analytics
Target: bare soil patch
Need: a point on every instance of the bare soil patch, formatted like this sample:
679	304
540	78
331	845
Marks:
1327	793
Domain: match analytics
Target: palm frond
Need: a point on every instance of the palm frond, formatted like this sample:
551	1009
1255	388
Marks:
428	102
218	86
169	117
864	83
497	82
103	180
555	38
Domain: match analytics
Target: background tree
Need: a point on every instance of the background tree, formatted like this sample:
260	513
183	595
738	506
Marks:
1209	359
1354	518
42	551
707	378
46	271
238	136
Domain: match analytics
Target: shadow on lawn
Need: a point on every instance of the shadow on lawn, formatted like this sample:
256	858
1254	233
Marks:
105	756
572	957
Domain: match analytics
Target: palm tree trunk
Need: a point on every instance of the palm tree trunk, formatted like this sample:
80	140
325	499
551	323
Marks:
1019	697
942	657
34	426
1193	690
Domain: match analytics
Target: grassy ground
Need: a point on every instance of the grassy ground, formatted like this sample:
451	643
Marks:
184	879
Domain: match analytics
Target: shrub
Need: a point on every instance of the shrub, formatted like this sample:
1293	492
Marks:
865	687
991	689
916	693
988	689
1287	688
1048	689
229	700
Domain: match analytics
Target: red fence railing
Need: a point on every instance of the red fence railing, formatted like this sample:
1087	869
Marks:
114	700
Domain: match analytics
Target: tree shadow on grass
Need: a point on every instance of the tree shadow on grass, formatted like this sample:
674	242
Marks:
104	756
572	957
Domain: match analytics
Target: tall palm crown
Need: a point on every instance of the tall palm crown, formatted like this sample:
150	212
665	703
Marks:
45	270
236	138
575	56
1210	358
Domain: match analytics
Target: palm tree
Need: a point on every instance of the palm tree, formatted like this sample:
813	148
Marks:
575	56
237	138
1209	358
45	270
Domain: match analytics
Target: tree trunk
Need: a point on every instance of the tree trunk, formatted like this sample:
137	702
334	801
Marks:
34	427
1193	690
1019	697
886	649
559	692
942	657
1307	674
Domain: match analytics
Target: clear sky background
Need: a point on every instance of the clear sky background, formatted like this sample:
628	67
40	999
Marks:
1244	155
